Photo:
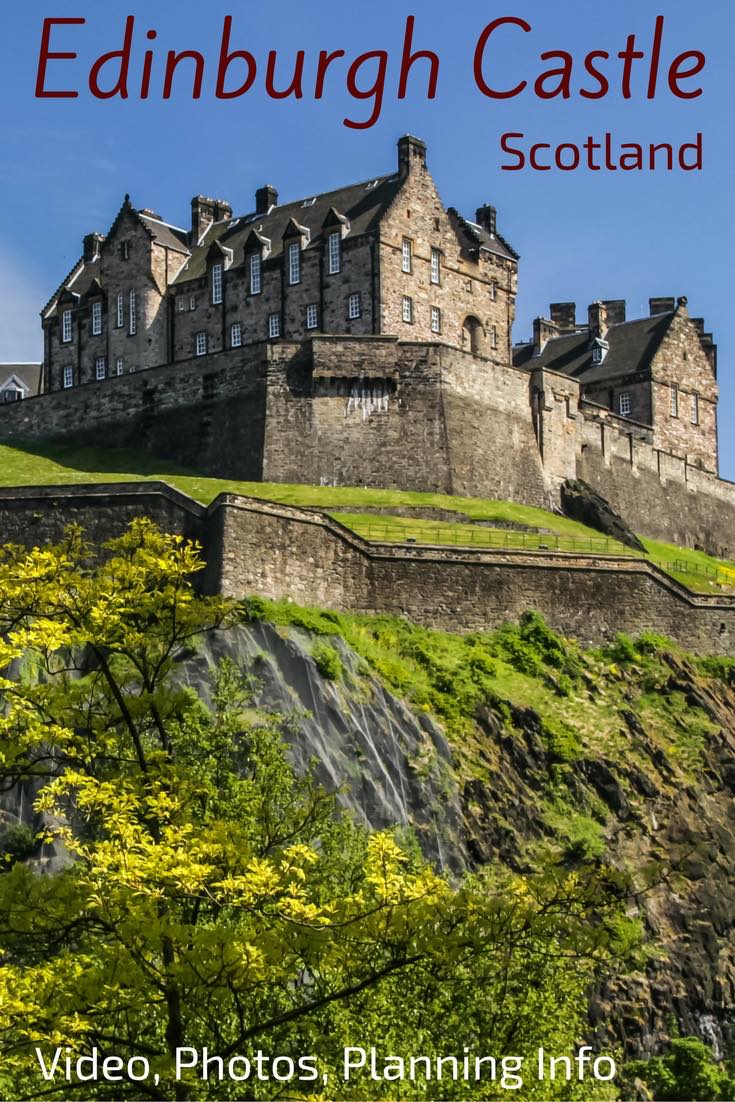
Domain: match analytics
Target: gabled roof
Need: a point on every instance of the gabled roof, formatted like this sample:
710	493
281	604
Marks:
27	374
362	204
632	346
479	238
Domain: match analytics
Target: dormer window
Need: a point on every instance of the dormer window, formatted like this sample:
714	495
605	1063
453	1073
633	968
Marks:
256	273
599	350
217	270
294	263
96	319
335	253
66	327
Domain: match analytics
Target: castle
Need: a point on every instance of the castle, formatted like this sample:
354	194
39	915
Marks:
364	336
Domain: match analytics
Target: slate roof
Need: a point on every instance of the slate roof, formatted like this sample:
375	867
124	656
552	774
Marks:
171	237
493	242
28	373
633	344
362	204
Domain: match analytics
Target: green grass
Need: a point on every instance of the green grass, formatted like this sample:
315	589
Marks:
60	464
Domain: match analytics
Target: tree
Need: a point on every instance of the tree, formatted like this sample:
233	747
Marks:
212	898
688	1070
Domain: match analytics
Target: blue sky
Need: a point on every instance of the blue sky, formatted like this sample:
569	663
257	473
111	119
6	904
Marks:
66	164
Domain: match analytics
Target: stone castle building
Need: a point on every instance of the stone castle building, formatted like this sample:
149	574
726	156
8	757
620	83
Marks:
364	336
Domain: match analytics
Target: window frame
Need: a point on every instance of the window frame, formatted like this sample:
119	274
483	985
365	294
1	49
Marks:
96	319
119	367
67	378
356	298
201	343
674	400
624	400
67	327
120	311
407	255
435	319
494	337
436	267
255	273
236	328
132	314
218	271
274	326
334	253
100	369
693	409
312	316
293	261
407	309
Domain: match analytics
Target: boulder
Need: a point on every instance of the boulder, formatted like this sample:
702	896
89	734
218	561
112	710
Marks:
580	502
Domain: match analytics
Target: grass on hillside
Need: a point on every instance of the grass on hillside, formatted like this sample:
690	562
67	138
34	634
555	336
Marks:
65	464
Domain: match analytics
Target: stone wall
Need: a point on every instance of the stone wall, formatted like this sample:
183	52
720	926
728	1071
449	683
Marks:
255	547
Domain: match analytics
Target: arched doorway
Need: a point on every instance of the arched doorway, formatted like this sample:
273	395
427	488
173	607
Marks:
473	334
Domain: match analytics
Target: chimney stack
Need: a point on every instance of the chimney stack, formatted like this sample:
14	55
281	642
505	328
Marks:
411	155
543	330
564	314
487	218
615	310
265	198
597	319
661	306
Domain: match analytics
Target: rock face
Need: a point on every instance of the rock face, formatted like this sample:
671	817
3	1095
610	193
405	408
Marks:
580	502
393	765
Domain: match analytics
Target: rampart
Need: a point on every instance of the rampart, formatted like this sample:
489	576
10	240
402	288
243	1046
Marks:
375	411
276	551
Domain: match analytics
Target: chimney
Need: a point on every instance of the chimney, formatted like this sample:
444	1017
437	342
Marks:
265	198
91	246
564	314
202	216
487	218
543	330
615	310
661	306
597	319
411	155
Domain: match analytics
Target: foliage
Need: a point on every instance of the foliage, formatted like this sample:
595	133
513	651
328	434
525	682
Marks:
17	843
687	1071
214	898
327	660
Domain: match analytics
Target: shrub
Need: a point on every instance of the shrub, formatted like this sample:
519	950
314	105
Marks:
17	843
328	661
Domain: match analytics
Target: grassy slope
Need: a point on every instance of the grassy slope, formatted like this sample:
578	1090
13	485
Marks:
47	465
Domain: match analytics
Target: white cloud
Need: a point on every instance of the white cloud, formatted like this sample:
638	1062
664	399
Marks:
21	299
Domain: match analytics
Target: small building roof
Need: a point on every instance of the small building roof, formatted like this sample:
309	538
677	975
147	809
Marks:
27	374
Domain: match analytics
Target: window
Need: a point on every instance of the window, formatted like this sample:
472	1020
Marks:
99	368
68	376
624	403
312	317
406	255
120	367
132	315
193	302
674	401
694	409
66	327
274	325
120	311
354	308
216	284
436	319
294	263
493	336
236	335
407	308
597	354
494	289
182	304
436	266
125	250
96	319
256	273
335	253
201	344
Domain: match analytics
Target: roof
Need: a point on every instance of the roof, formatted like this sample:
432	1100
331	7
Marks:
493	242
28	374
171	237
632	346
362	204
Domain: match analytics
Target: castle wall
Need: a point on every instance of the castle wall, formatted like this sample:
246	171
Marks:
276	551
